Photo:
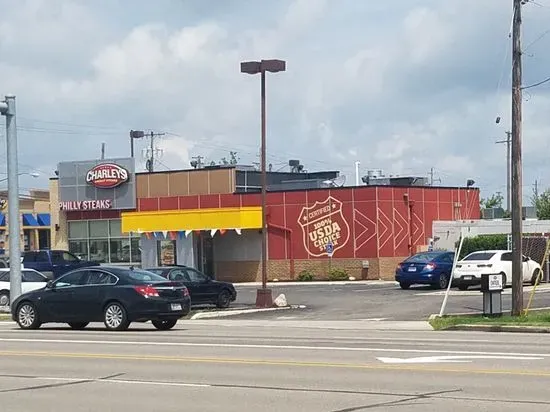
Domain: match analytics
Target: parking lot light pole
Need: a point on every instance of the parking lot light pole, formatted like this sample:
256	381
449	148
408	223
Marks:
7	108
264	297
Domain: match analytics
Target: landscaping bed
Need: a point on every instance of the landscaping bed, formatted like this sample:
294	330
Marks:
532	319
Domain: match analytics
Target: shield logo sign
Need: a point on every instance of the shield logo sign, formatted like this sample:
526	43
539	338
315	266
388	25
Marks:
324	223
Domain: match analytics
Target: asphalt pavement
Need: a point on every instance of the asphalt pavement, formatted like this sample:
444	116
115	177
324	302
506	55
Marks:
377	300
243	365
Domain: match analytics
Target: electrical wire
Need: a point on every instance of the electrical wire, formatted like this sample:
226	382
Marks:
536	84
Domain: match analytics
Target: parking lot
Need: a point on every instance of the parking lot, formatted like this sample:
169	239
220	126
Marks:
377	301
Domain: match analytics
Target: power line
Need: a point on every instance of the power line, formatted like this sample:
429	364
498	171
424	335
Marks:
536	84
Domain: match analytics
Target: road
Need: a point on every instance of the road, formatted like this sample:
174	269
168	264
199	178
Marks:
235	365
355	301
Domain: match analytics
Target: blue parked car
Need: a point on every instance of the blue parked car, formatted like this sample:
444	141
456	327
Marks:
426	268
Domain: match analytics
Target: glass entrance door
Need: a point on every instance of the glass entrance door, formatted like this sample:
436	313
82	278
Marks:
204	246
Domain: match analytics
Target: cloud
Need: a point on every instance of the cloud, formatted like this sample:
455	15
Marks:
401	85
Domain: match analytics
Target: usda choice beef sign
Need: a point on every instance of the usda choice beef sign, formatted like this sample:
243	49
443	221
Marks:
107	176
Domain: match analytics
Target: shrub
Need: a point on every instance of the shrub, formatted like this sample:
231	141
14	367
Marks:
483	242
305	276
338	274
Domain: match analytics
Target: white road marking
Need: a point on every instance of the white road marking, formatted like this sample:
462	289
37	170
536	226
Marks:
452	359
119	381
372	319
255	346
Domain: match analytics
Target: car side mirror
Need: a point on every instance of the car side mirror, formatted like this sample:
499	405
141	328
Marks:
50	284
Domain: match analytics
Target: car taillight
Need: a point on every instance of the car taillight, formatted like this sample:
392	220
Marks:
185	292
147	291
399	266
431	266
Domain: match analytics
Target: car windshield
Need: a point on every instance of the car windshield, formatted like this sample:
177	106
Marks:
480	256
422	258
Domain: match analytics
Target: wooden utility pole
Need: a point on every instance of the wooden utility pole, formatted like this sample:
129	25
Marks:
517	256
508	142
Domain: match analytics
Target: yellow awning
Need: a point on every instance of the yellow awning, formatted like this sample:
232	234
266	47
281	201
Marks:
194	219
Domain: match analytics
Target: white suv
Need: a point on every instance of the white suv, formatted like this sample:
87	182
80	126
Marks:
468	271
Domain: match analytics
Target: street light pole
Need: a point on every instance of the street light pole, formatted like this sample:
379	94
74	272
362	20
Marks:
264	297
7	108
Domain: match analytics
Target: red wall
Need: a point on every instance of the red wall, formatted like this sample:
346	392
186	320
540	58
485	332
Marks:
364	222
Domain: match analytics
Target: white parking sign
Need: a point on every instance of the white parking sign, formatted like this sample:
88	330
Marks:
495	282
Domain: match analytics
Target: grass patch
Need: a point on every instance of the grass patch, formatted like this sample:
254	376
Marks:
535	318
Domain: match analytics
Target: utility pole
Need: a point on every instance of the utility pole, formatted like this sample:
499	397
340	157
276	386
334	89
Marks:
508	142
517	258
7	108
103	151
151	161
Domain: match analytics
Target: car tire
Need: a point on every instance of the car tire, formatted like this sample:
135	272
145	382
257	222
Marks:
536	274
224	299
504	280
27	316
443	281
115	317
78	325
165	324
404	285
4	299
463	287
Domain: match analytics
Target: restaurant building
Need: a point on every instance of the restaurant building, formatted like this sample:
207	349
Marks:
210	219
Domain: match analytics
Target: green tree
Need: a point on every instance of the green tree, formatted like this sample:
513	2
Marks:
542	204
493	201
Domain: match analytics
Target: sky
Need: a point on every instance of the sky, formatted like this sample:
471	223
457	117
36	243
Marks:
402	86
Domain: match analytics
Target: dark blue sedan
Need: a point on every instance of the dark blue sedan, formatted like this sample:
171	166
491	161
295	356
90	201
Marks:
426	268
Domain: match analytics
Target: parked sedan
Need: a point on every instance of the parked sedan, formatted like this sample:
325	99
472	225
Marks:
202	288
468	271
115	295
30	280
426	268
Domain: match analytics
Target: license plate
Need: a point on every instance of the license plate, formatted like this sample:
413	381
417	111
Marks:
412	268
175	306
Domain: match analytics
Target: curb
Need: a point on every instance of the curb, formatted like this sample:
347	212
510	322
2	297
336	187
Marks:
499	328
322	282
226	313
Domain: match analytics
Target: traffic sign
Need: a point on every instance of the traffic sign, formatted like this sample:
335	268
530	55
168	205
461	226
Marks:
330	249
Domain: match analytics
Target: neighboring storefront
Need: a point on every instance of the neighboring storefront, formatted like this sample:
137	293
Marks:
34	219
91	196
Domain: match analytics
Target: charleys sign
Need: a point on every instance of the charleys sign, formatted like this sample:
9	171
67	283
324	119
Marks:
107	176
324	223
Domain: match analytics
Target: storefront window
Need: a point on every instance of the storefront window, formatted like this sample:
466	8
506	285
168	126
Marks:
120	250
79	248
99	250
105	243
136	251
99	228
78	230
115	228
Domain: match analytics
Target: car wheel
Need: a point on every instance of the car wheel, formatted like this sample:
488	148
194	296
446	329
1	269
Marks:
224	299
443	281
27	316
462	287
115	317
4	299
504	280
534	279
165	324
78	325
404	285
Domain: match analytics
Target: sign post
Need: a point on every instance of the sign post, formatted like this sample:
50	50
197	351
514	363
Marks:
492	286
330	252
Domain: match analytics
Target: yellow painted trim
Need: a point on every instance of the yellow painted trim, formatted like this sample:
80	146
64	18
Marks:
193	219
